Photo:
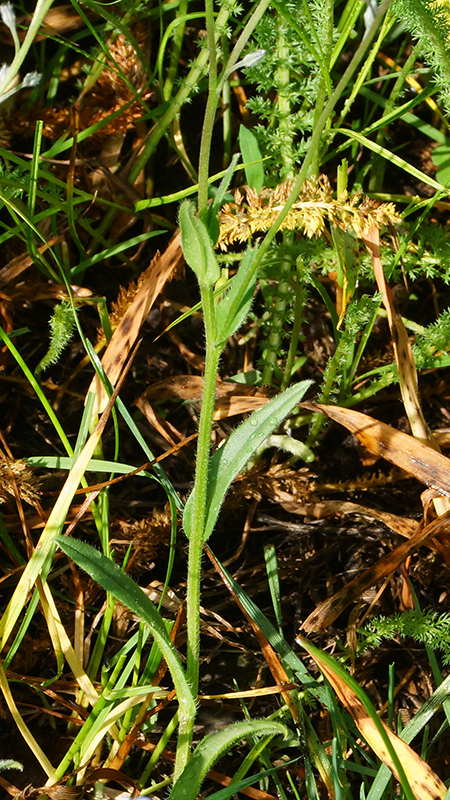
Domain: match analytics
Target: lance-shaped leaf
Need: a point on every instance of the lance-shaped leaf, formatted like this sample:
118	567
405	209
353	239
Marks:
212	747
254	173
233	307
123	588
230	459
197	246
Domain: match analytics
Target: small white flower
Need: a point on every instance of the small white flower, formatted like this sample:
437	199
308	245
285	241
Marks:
30	79
250	60
8	15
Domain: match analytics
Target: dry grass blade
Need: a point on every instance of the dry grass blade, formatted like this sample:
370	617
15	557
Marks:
407	372
273	662
128	329
225	780
33	745
336	508
330	609
411	455
249	693
425	784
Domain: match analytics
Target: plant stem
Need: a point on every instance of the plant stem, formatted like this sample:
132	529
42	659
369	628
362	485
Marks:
40	11
283	114
379	164
226	110
328	15
300	299
191	81
199	515
316	139
278	315
197	71
243	39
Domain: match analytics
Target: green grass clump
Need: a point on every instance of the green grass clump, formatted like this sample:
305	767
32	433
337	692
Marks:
287	221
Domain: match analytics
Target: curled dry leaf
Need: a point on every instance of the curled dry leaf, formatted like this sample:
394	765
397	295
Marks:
425	784
231	398
411	455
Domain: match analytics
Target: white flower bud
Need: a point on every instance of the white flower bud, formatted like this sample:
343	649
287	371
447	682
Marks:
31	79
251	59
8	15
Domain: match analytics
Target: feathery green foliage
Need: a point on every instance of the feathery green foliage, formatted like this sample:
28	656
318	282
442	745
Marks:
429	23
62	325
428	627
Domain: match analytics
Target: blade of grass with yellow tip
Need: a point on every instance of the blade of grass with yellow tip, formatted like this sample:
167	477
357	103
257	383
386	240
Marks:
417	779
40	561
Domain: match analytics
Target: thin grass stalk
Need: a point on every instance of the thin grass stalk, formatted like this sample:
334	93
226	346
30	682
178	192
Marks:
386	27
379	166
210	113
177	44
40	11
197	71
226	115
30	740
324	87
162	744
250	26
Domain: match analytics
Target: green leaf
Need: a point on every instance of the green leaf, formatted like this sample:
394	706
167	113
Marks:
289	658
124	589
197	247
441	157
212	748
234	788
230	459
254	173
233	307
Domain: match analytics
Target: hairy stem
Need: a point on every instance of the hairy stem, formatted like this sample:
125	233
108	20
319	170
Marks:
199	515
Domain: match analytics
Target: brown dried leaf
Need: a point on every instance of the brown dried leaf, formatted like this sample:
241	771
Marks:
418	459
336	508
231	398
